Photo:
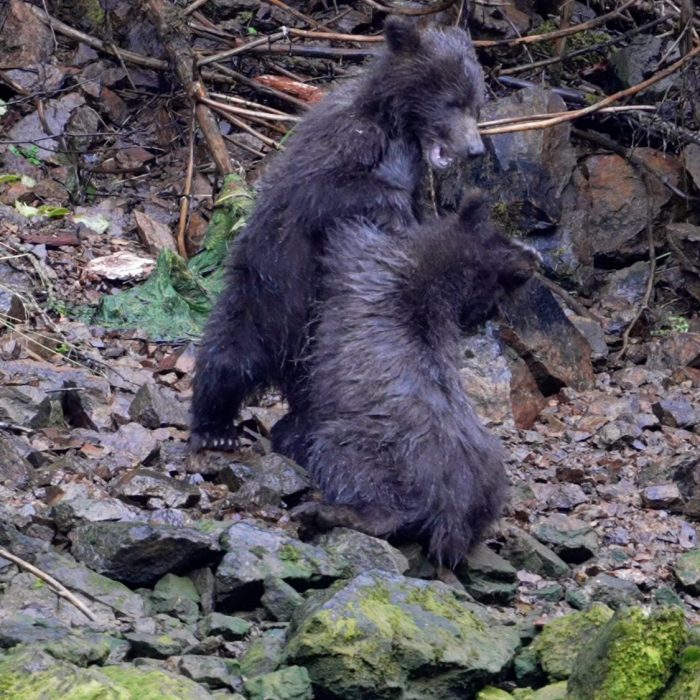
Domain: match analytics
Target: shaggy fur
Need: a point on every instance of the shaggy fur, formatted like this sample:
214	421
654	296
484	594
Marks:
394	442
360	153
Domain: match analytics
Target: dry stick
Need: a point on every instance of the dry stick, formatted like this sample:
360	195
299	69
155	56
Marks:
223	97
193	6
222	109
570	116
171	30
295	13
58	587
412	11
575	29
586	49
71	33
185	198
547	115
249	82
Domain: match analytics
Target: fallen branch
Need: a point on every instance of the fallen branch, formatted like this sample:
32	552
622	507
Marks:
558	33
615	97
57	586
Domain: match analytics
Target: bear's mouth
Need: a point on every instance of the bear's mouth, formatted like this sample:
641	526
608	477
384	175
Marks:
438	156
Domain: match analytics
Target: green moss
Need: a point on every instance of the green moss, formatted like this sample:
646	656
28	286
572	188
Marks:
561	640
289	553
632	657
686	685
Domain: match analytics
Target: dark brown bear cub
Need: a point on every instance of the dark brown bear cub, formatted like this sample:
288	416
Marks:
395	445
360	152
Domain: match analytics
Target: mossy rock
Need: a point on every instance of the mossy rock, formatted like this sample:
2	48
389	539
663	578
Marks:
32	674
686	684
633	656
383	636
561	640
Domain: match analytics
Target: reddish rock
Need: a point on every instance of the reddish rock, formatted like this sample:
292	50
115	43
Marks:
526	399
612	201
675	350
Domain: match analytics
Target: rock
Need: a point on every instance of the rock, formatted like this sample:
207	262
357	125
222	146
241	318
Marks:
488	577
156	646
34	394
492	693
527	401
525	552
280	599
362	552
610	211
154	235
289	683
594	334
525	171
486	376
176	596
662	496
385	636
633	656
678	413
139	554
264	654
622	294
280	475
83	503
253	553
141	485
154	407
613	591
572	539
31	674
686	684
631	64
539	332
691	162
27	40
17	472
226	626
557	646
211	671
107	599
674	350
133	443
687	570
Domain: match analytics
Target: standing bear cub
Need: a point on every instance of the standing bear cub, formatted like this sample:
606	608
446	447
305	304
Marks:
395	445
359	153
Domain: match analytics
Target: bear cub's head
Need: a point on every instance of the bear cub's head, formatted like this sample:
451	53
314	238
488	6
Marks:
439	89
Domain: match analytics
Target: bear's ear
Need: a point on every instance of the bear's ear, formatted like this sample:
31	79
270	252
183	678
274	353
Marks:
401	35
472	207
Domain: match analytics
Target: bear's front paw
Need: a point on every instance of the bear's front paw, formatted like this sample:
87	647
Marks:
202	440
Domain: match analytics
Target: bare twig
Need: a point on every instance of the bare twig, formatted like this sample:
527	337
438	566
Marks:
58	587
186	191
575	29
615	97
412	11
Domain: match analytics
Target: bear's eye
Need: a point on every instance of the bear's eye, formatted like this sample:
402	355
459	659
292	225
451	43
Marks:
456	104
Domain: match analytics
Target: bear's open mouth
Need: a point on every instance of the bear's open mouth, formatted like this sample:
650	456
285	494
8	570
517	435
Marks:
438	157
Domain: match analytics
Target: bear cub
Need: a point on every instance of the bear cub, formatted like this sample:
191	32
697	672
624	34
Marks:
361	152
394	443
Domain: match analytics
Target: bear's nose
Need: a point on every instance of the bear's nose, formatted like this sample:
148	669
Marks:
476	147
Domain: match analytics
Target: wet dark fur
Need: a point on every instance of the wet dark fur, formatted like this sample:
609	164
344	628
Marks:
393	442
361	152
